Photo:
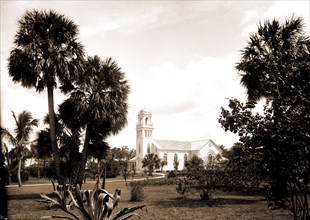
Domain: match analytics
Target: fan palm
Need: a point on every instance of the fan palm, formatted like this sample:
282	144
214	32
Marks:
271	59
151	162
45	53
98	104
20	138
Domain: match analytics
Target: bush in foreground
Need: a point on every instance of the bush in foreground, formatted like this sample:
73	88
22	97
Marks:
93	204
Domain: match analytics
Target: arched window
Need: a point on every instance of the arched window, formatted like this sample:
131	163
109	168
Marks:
148	149
165	158
176	162
210	159
175	157
146	120
185	159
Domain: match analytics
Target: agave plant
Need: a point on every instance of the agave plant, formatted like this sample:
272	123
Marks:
96	204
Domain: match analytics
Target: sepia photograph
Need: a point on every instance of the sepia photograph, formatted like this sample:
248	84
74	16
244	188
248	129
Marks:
155	109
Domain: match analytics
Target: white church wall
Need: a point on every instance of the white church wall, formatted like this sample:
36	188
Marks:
170	159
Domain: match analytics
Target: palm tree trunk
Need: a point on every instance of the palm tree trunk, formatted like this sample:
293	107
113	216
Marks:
50	94
84	158
104	176
19	171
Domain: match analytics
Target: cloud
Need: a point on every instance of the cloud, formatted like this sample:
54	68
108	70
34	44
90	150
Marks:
127	19
207	81
282	10
185	102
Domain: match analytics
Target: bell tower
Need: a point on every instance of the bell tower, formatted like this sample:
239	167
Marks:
144	136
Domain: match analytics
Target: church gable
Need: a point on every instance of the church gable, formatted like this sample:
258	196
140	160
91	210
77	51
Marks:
205	144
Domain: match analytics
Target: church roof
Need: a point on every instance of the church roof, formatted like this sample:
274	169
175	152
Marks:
175	145
181	145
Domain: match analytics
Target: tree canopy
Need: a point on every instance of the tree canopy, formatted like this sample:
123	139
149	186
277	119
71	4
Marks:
275	68
46	53
98	104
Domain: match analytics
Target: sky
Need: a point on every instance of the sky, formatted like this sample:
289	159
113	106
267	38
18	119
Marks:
179	58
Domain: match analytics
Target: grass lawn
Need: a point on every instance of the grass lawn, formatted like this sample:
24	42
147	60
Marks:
162	202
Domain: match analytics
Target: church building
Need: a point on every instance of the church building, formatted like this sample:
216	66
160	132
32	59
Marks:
168	150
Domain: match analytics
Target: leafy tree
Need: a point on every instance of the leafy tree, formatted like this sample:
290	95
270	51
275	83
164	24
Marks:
242	170
20	138
200	178
123	153
46	53
151	162
275	69
68	142
195	166
97	105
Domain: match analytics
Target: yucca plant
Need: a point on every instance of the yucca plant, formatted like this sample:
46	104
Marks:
96	204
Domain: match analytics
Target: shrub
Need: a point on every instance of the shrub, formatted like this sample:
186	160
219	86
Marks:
205	194
171	174
136	192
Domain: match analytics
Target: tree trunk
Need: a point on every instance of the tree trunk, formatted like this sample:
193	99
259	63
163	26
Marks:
52	122
38	166
19	179
104	176
84	158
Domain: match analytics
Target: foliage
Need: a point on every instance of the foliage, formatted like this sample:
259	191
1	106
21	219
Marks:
171	174
241	171
121	154
46	53
200	178
136	191
97	105
276	69
115	161
124	169
194	166
151	162
19	139
68	143
93	204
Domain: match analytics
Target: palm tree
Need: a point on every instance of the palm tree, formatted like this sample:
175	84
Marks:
98	105
271	59
20	138
151	162
45	53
